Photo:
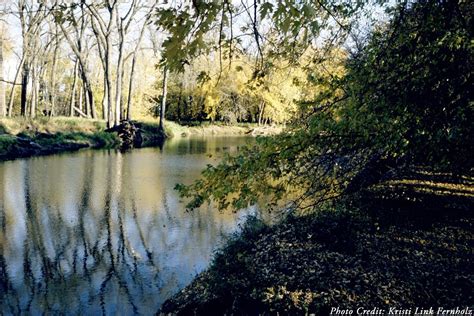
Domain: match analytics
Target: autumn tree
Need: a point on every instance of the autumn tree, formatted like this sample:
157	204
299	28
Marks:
404	102
3	105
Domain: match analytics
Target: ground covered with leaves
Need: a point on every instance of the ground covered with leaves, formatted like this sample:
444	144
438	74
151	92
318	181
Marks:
414	252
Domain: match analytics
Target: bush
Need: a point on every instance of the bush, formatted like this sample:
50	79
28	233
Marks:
6	141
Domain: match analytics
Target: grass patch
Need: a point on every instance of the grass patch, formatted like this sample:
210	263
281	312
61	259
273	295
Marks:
103	139
23	137
99	139
6	141
174	129
27	126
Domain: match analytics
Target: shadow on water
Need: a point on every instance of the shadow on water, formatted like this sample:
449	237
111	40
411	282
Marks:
103	232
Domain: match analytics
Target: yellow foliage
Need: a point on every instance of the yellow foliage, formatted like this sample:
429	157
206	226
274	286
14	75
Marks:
234	91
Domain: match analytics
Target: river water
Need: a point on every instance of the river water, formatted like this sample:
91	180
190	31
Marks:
103	232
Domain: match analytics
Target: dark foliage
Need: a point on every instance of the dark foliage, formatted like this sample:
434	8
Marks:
406	101
412	87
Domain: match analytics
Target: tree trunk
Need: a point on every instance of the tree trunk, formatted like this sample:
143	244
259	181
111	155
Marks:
24	89
109	85
179	107
261	111
52	95
105	113
130	88
163	99
34	93
122	109
89	104
81	95
12	91
3	106
118	86
90	96
73	91
86	102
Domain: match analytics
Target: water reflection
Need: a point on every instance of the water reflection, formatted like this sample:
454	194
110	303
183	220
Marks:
100	232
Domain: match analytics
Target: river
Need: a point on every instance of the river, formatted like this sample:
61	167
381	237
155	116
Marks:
104	232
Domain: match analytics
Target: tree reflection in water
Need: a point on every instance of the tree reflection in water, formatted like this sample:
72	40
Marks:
100	232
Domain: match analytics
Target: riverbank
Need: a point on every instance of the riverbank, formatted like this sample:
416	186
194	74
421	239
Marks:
409	244
20	138
220	129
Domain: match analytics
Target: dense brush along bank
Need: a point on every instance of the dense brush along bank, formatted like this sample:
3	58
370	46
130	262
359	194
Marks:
403	245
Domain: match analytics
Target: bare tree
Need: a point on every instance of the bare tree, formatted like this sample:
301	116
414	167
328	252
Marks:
102	29
52	94
134	60
3	106
75	36
117	30
72	100
163	98
123	25
31	17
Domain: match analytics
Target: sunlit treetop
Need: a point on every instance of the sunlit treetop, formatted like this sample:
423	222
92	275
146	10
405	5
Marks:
265	29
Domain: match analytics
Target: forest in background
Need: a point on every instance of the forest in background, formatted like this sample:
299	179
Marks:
105	60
